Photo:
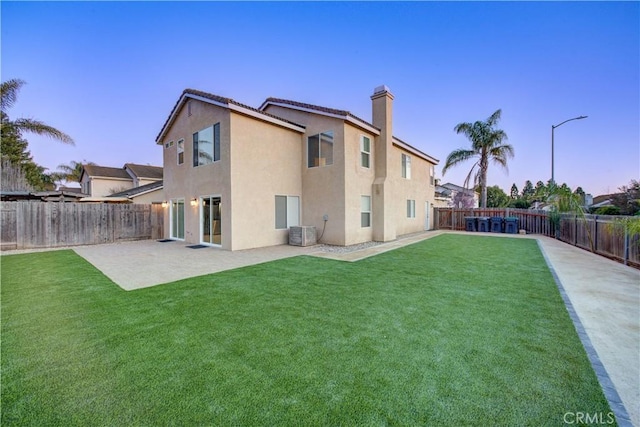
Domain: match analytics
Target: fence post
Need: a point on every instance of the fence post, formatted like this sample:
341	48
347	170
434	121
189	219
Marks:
626	245
595	234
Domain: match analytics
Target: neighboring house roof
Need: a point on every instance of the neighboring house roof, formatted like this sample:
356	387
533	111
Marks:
457	188
344	115
144	171
442	191
602	199
104	172
138	191
225	103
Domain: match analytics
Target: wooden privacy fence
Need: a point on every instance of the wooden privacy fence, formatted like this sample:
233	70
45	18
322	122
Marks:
27	225
594	233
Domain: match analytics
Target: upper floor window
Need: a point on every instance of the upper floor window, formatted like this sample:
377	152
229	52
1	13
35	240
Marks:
181	151
406	166
365	151
320	149
206	145
432	173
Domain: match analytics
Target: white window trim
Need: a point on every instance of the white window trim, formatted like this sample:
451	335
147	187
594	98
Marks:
181	140
362	151
364	212
406	166
411	208
289	221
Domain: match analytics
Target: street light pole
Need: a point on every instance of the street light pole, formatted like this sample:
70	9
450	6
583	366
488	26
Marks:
553	127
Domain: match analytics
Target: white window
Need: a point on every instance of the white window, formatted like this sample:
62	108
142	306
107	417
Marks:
168	144
432	173
181	151
206	145
365	152
365	211
411	208
320	149
406	166
188	108
287	211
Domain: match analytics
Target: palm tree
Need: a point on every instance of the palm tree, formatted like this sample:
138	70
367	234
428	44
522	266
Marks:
486	145
9	94
71	172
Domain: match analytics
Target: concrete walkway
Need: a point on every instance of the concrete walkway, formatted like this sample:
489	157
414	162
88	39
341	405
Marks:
602	296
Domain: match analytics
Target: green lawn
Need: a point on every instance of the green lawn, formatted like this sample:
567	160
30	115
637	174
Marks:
455	330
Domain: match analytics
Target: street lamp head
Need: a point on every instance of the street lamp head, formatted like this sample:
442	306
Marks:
582	117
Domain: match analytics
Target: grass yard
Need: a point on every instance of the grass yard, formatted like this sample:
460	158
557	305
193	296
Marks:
455	330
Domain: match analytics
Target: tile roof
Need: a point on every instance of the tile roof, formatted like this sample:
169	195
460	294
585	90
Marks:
145	171
105	171
314	107
137	190
219	99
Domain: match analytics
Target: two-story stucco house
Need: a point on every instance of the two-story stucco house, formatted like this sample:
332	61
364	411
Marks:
238	177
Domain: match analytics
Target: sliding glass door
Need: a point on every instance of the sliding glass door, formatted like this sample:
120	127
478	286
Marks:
210	220
176	218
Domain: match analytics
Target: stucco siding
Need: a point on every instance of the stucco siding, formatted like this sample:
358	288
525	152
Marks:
358	183
189	182
101	187
265	162
417	188
156	196
323	187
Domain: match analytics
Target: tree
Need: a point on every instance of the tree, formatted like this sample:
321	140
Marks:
486	145
580	193
463	200
496	197
514	191
528	191
71	172
628	198
14	147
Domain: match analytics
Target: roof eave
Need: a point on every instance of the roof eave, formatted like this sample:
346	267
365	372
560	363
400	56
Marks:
399	143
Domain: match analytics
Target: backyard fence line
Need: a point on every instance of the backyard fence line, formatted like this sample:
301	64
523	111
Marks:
30	225
594	233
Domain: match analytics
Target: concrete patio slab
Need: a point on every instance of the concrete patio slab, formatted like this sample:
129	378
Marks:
144	263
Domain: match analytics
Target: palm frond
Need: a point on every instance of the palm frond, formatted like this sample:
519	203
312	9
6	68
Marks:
457	156
494	118
37	127
9	93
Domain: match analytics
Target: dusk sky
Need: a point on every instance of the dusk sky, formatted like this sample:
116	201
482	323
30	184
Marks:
109	73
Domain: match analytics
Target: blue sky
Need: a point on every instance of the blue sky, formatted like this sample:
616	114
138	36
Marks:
108	74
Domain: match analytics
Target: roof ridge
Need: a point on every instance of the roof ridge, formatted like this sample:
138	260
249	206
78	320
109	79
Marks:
317	108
